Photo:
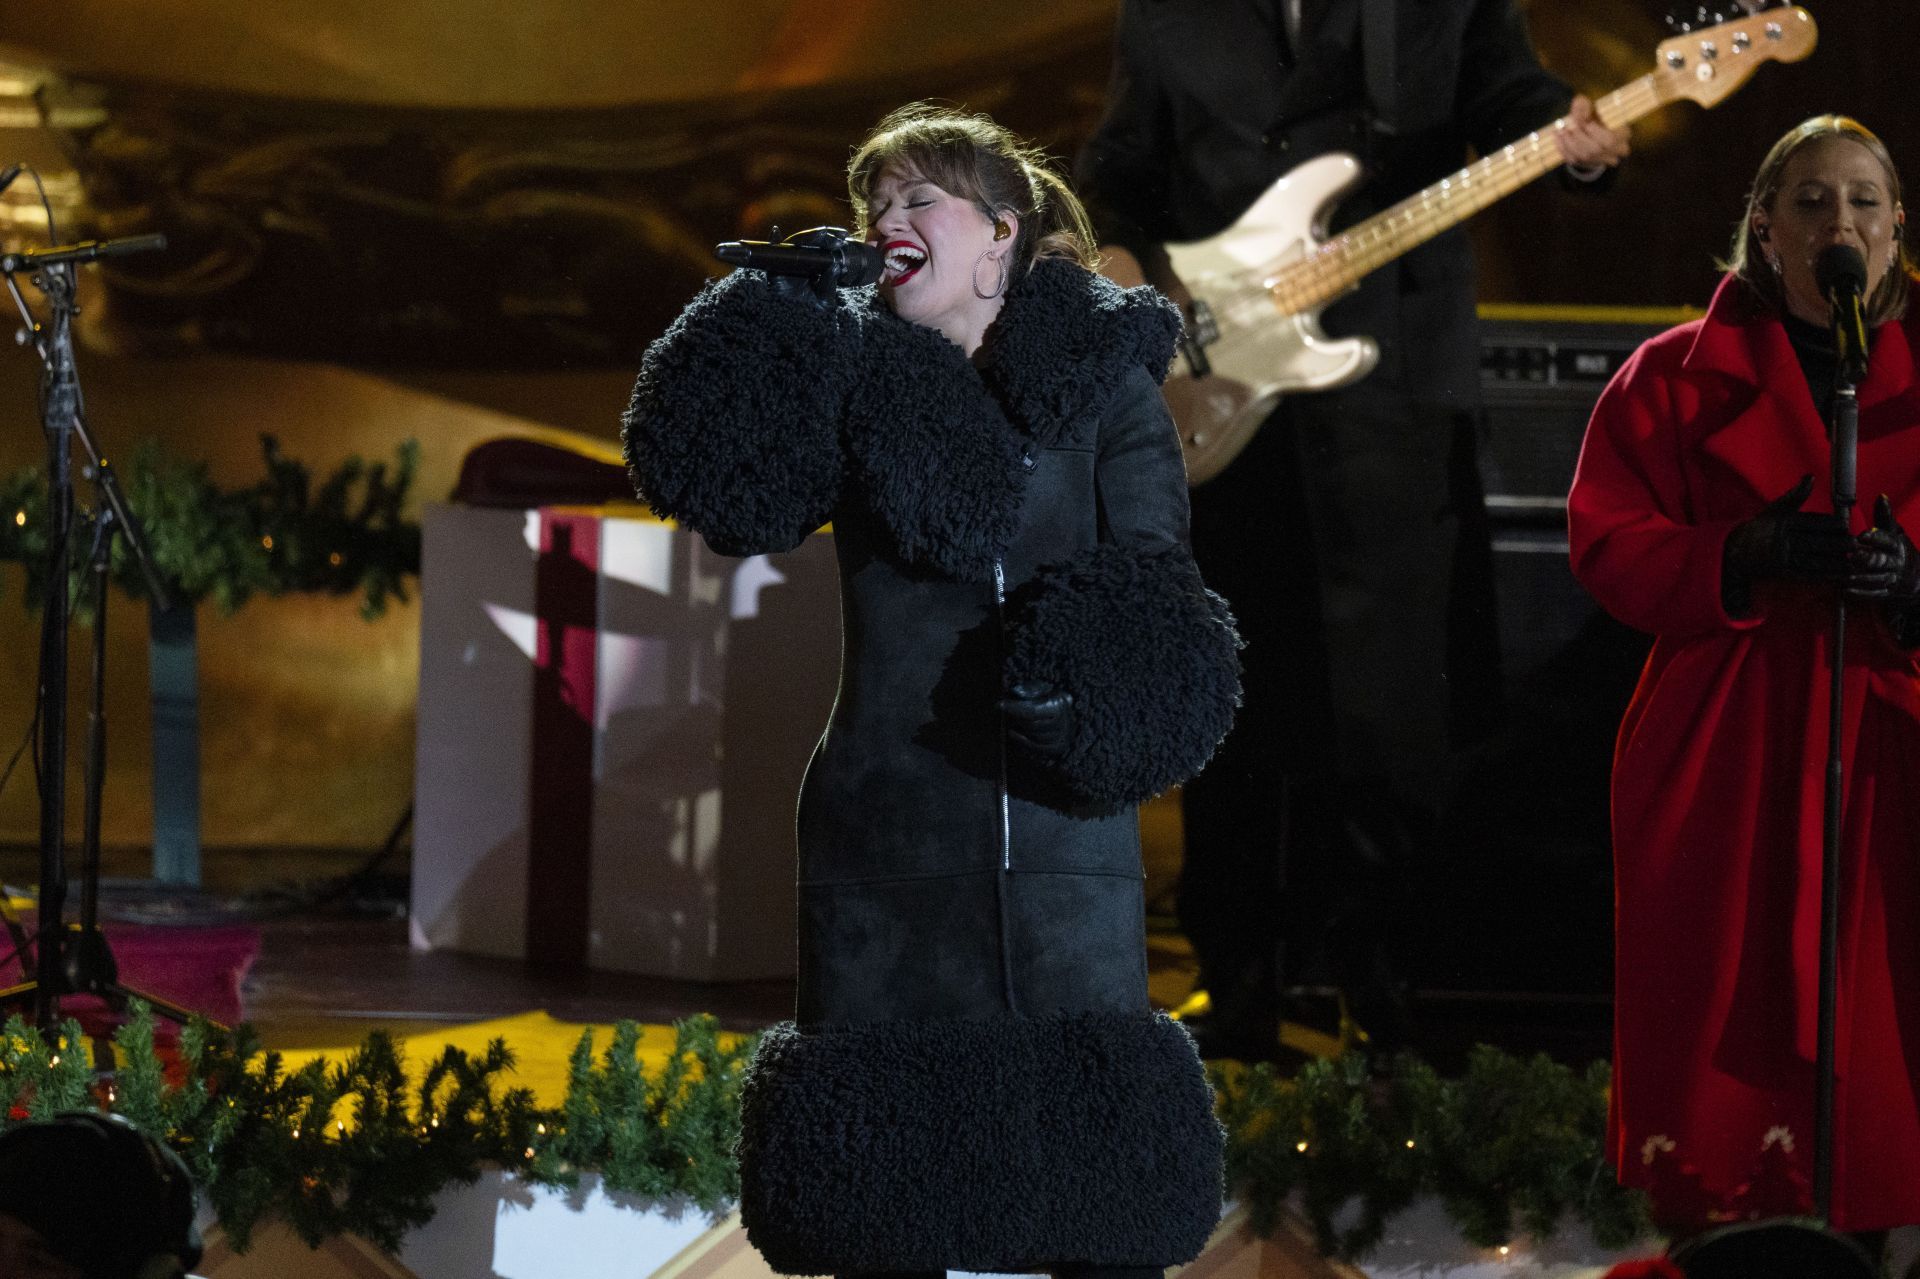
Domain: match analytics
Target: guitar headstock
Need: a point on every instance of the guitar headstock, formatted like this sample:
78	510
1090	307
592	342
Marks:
1710	61
1682	19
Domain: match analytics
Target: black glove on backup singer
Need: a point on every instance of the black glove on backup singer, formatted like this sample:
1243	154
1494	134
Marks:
1886	566
1039	719
1784	542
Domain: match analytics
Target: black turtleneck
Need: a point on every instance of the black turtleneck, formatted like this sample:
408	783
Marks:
1819	360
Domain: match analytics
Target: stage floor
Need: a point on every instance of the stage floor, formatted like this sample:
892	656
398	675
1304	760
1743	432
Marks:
335	962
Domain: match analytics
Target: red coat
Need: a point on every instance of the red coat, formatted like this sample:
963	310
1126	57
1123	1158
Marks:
1718	785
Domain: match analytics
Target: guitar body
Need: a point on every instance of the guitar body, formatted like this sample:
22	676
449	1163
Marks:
1257	355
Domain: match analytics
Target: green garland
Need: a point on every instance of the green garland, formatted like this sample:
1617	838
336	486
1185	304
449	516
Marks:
283	533
354	1147
1514	1144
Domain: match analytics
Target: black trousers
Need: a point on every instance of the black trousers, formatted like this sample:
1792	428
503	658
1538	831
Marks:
1351	540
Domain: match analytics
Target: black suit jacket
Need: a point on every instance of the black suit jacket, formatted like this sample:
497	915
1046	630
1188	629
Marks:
1207	108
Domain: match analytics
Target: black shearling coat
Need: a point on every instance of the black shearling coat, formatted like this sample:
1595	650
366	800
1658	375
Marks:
974	1079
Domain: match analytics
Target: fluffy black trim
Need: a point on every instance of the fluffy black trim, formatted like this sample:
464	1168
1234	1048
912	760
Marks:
1151	658
1011	1144
733	428
938	463
1063	344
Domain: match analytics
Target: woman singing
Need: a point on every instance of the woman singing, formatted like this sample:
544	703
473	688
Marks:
1702	513
973	1078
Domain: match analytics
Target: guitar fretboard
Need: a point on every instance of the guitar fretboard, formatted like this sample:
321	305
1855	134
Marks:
1335	266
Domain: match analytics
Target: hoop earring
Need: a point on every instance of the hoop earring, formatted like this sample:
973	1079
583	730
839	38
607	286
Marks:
1000	281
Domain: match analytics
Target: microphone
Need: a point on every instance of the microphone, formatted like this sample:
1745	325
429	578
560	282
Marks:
85	251
8	174
1841	274
834	261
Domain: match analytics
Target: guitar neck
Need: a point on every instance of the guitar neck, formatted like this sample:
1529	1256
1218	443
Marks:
1341	262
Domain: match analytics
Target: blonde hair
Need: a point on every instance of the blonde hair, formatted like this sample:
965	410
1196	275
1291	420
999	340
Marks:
1747	261
976	159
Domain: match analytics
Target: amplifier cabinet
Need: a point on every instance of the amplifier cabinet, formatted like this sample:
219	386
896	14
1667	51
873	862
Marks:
1521	900
1539	379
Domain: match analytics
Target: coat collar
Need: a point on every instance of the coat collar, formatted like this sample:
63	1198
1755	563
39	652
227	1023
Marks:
1751	347
1737	340
942	449
1063	344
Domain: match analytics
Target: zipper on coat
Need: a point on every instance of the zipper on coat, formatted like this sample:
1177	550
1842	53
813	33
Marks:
1006	809
1006	815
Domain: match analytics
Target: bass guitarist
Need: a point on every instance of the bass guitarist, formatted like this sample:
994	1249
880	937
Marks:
1350	534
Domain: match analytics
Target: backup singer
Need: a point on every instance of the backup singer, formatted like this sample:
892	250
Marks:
974	1078
1701	512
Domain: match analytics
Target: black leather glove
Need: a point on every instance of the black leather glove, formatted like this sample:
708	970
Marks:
1784	542
815	289
1039	719
1888	565
1884	564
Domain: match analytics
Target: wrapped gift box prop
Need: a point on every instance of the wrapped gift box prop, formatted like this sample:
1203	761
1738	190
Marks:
613	726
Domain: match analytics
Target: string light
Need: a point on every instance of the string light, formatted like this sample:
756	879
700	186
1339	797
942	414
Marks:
267	542
1409	1143
333	558
1301	1147
20	518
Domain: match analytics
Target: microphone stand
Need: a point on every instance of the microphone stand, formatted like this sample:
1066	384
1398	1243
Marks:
77	960
1846	440
1756	1247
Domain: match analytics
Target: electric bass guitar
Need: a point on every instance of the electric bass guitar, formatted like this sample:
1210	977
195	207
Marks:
1260	285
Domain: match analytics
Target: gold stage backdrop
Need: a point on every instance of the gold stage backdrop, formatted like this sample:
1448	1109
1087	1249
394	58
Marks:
444	220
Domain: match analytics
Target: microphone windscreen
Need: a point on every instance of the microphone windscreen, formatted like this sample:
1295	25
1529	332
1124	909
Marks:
865	264
1840	266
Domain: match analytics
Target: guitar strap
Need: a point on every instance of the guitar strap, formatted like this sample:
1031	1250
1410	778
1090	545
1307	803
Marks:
1378	46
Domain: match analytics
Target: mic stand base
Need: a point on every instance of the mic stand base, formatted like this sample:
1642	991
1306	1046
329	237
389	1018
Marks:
87	968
